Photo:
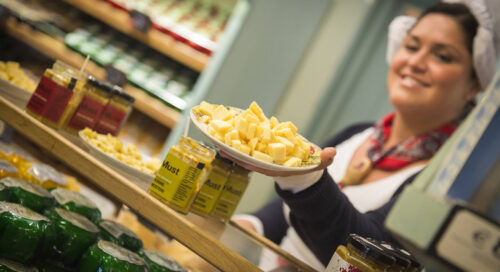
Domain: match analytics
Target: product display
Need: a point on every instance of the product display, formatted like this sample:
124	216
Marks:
75	234
78	203
159	262
11	266
25	234
28	194
107	256
119	234
183	172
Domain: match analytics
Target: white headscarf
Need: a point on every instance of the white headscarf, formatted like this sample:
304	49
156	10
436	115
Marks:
486	44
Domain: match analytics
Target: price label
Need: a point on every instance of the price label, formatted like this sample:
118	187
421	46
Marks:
140	21
115	76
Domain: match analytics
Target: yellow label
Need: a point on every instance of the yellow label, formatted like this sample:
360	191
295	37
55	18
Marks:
209	192
230	197
175	181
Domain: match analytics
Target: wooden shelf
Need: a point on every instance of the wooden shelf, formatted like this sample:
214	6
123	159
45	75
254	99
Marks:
128	193
56	49
120	20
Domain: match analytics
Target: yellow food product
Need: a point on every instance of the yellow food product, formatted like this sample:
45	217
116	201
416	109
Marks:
12	72
115	113
8	170
183	172
252	133
128	154
43	175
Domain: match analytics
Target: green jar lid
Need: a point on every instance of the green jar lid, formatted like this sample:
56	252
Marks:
119	234
28	194
159	262
75	234
108	256
78	203
12	266
25	234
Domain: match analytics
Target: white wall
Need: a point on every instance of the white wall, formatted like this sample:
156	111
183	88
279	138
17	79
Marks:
310	81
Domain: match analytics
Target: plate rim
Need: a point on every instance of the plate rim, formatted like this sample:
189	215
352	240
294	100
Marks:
242	156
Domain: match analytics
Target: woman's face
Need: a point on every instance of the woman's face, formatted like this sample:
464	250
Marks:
431	75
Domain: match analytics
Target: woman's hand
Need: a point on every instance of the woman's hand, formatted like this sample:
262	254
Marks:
326	156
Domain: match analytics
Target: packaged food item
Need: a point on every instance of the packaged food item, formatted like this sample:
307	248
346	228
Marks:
43	175
75	234
12	266
159	262
4	193
14	155
94	98
25	234
403	259
108	256
209	193
28	194
361	254
183	172
78	203
115	113
232	192
119	234
7	169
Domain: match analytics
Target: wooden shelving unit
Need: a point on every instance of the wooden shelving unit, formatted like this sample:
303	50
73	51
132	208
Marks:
56	49
156	39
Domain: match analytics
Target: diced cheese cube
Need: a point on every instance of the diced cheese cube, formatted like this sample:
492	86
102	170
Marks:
261	156
293	162
221	113
277	151
274	121
236	144
262	147
220	126
255	108
252	128
300	153
205	119
289	145
253	143
245	149
250	117
206	108
242	126
287	133
230	136
287	124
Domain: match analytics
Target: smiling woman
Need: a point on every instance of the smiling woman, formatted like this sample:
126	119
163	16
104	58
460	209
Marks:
443	59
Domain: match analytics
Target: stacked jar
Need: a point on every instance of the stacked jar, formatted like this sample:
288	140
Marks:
115	113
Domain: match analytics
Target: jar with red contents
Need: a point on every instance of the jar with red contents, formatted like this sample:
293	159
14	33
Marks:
115	113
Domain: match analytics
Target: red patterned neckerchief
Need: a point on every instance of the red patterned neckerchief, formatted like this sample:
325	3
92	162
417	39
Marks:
411	150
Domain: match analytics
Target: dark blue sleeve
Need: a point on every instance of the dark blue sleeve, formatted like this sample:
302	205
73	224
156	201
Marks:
323	217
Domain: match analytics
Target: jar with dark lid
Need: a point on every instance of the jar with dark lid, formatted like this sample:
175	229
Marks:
116	112
95	96
362	254
404	260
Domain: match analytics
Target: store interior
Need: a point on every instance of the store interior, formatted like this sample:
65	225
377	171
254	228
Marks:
306	62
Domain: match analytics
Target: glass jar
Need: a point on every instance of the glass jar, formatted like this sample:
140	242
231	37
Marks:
115	113
183	172
94	98
212	188
404	260
361	254
232	192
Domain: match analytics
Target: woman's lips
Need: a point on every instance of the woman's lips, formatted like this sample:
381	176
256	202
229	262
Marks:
412	82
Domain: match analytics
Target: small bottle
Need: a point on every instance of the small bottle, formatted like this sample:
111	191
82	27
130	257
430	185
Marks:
212	188
361	254
232	193
115	113
95	97
183	172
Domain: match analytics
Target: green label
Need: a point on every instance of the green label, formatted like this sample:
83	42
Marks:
120	253
175	181
210	192
230	197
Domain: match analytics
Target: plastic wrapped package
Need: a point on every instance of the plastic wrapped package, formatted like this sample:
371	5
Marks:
7	169
25	234
4	193
159	262
11	266
75	234
108	256
78	203
28	194
43	175
120	235
14	155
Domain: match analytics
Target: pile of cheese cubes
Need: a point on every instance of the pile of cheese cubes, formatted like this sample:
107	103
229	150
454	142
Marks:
12	72
252	133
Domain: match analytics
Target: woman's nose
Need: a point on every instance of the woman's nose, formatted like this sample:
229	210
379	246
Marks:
417	61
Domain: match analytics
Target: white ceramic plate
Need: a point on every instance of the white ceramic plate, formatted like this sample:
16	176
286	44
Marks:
141	179
313	158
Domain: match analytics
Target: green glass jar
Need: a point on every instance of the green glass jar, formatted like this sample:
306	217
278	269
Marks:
159	262
75	234
108	256
24	234
28	194
78	203
119	234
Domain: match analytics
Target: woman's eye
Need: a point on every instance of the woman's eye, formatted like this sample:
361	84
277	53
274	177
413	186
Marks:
444	58
411	47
